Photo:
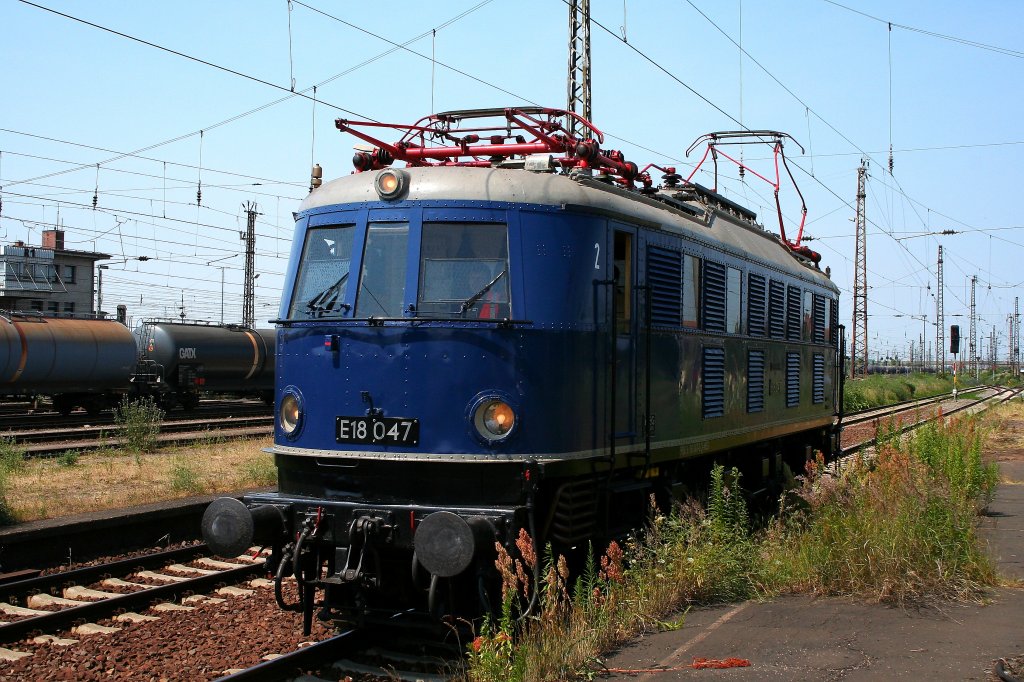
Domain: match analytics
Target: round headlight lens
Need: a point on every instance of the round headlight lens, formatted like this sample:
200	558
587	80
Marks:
494	419
390	183
289	413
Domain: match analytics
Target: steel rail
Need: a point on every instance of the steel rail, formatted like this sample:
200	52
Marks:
58	620
960	408
13	592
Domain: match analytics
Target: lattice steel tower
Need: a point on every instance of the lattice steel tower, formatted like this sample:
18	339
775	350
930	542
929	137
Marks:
579	62
1016	335
973	340
940	321
859	347
249	293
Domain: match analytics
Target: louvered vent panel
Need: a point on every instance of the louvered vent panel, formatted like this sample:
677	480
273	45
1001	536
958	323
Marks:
793	314
713	383
756	322
755	381
819	378
792	379
664	274
776	309
714	297
819	319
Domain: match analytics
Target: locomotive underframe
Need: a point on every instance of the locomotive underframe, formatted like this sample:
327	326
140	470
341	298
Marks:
359	551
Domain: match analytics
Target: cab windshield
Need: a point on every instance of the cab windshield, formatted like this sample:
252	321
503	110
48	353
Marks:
323	273
464	271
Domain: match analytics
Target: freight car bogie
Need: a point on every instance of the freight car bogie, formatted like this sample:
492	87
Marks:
93	403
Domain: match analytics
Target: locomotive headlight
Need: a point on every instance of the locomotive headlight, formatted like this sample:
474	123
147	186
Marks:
494	419
390	183
289	413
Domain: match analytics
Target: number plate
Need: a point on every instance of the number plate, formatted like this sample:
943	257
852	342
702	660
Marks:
377	430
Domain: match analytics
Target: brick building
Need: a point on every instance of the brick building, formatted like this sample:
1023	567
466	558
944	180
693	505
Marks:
48	278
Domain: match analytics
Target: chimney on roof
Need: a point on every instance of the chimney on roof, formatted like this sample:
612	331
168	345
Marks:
53	239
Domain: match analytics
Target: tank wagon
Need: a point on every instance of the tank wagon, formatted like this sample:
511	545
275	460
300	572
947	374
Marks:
179	361
94	363
78	362
508	334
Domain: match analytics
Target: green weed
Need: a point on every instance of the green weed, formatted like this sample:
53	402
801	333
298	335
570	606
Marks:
140	423
68	458
259	470
184	477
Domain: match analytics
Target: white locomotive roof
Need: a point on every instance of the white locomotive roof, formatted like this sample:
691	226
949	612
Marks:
517	186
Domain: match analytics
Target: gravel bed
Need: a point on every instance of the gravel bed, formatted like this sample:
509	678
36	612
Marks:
858	433
108	558
182	645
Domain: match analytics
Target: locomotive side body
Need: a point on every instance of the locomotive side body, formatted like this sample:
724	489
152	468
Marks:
497	350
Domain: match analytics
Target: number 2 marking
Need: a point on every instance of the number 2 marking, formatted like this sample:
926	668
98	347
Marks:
597	256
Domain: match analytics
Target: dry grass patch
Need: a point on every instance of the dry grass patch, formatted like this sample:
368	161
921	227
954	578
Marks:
111	479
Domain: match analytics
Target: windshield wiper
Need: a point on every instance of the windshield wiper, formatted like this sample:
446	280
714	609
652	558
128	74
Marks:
472	300
327	300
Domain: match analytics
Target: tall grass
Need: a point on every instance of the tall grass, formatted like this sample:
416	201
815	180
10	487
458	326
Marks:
880	389
692	555
12	460
899	527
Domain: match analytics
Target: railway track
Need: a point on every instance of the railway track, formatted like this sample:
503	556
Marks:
859	431
54	441
415	651
878	413
46	434
130	609
16	417
73	601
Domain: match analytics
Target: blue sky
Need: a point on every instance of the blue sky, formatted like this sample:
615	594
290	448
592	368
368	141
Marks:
837	80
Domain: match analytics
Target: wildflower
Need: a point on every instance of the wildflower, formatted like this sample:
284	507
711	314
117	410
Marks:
524	543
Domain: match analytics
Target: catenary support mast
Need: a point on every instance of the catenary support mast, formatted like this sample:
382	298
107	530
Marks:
859	347
248	295
579	63
940	321
973	341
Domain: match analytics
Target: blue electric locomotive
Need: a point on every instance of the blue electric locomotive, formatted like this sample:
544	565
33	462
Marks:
505	334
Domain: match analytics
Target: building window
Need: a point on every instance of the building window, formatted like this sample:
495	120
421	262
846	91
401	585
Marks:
68	274
52	307
69	308
807	317
691	291
733	305
37	306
